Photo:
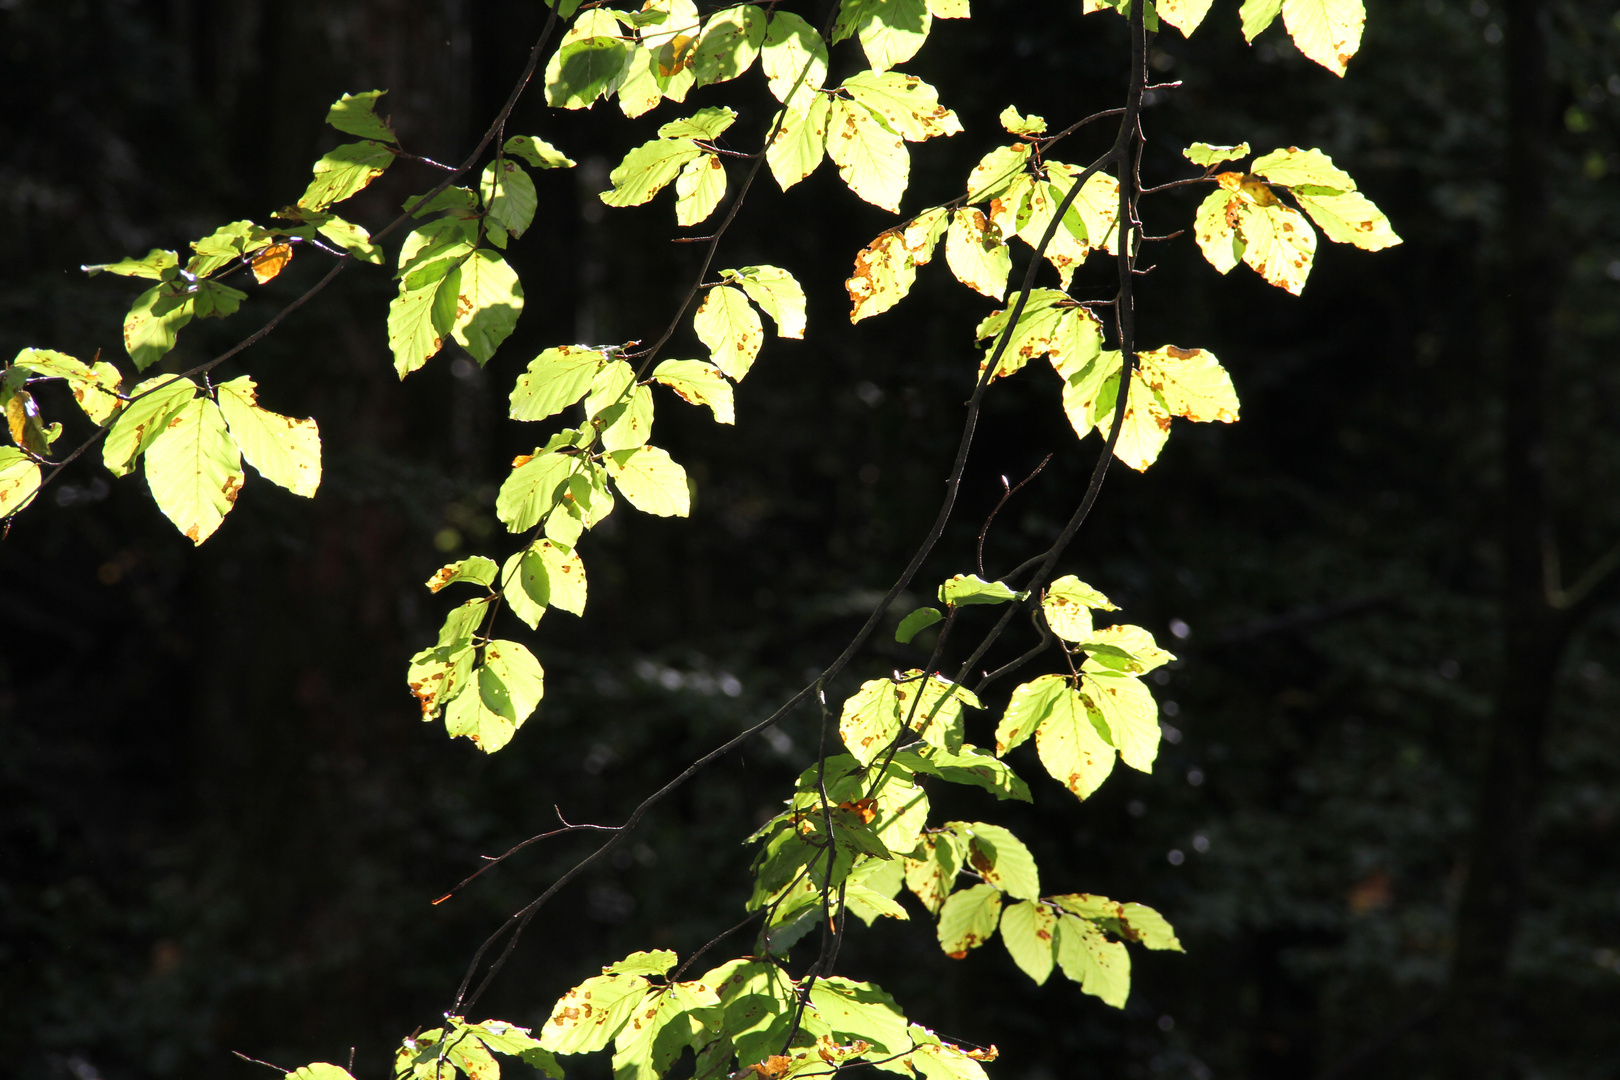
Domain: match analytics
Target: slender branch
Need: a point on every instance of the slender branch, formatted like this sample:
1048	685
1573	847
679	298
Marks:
1589	588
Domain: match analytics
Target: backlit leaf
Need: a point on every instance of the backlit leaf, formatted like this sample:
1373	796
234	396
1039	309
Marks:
907	104
1191	382
1128	710
95	387
871	159
647	170
154	322
800	142
1126	648
1067	606
344	171
488	299
967	589
976	255
915	623
1279	244
537	152
1347	217
970	765
1101	967
584	70
1206	154
1001	859
700	383
503	693
1018	124
19	479
1257	15
154	403
554	380
870	720
968	919
286	451
157	265
1068	744
778	294
1142	923
1327	31
931	874
850	1010
629	423
699	189
891	30
730	328
1145	425
932	707
533	489
652	482
794	55
510	201
356	114
591	1014
997	171
730	41
194	469
416	324
1029	930
477	569
887	267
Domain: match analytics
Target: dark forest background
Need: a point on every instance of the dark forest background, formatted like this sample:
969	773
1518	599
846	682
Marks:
1386	817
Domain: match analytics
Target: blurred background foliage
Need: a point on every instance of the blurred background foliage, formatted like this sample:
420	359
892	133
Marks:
221	823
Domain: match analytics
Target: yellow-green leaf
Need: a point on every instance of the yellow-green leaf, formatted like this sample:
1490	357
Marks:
651	480
976	254
778	294
1184	15
699	189
800	142
1206	154
794	55
344	171
154	403
488	299
19	479
1101	967
647	170
555	380
284	450
194	469
1327	31
1069	746
1257	15
907	104
154	322
1191	382
968	919
871	159
731	329
870	720
730	41
503	693
1128	710
700	383
1347	217
1029	930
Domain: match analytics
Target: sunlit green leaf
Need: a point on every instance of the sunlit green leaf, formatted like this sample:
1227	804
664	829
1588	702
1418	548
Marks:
700	383
909	106
871	159
147	416
1101	967
286	451
891	31
19	479
1257	15
915	623
1347	217
356	114
537	152
487	301
1327	31
477	569
970	765
699	189
511	201
967	589
154	322
730	41
533	488
1200	153
647	170
554	380
794	56
870	720
157	264
503	693
344	171
730	328
968	919
652	482
194	469
588	1017
1001	859
584	70
800	142
1029	930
